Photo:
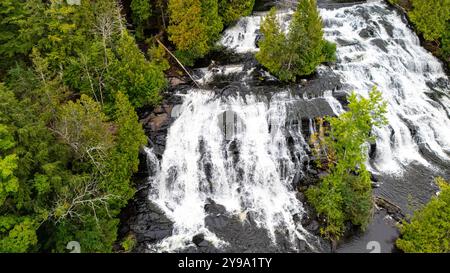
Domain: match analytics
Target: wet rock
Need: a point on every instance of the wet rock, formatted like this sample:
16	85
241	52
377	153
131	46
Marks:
367	32
333	4
175	81
313	227
393	210
381	44
158	110
216	222
372	150
344	42
258	38
296	217
388	27
373	177
306	219
144	220
213	208
159	120
198	239
300	196
301	245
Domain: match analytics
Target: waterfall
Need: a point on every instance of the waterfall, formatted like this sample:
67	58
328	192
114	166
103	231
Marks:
376	48
247	153
200	163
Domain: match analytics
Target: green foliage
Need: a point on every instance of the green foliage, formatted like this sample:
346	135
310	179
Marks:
431	17
66	163
232	10
83	126
21	22
445	44
138	78
124	161
129	243
21	234
40	159
301	50
273	50
6	139
345	193
9	183
74	177
141	11
429	228
194	26
85	46
158	56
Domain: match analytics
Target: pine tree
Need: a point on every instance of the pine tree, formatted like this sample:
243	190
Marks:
141	11
232	10
194	26
431	17
301	50
428	229
273	52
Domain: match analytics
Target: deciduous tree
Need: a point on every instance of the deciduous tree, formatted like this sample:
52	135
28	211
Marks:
345	193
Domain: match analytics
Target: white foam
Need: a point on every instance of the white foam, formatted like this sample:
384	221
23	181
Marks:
400	74
259	182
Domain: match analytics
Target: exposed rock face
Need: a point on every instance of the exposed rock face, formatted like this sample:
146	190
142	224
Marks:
144	220
156	122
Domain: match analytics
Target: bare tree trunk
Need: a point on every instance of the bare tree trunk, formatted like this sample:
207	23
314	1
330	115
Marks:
176	59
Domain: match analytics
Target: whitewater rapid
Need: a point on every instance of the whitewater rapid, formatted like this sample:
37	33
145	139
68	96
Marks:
380	50
198	164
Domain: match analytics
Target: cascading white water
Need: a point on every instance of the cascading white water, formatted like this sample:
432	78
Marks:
388	55
199	164
241	37
376	48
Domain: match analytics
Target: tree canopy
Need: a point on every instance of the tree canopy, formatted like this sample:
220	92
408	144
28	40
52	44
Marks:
429	228
194	26
345	193
299	51
71	79
232	10
431	17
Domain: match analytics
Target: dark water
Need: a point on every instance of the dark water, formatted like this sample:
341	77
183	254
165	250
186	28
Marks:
381	232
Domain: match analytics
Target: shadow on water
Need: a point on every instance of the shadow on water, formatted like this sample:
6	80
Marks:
379	237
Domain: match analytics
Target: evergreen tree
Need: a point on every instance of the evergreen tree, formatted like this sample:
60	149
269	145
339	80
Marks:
66	163
232	10
429	228
431	17
301	50
141	11
22	25
273	52
194	26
